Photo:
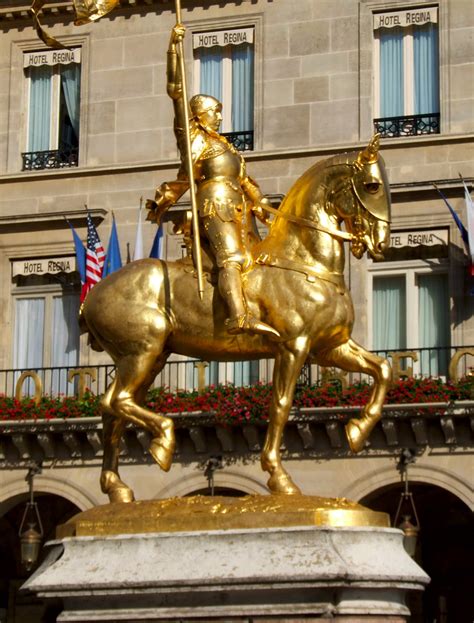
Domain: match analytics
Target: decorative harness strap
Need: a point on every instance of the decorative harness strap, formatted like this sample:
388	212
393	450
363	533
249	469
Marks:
311	272
307	223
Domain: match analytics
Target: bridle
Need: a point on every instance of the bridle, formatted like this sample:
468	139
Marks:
304	222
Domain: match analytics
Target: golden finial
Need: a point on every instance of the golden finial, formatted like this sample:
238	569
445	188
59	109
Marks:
371	153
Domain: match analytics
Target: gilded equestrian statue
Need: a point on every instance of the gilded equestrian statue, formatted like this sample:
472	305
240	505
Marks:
293	283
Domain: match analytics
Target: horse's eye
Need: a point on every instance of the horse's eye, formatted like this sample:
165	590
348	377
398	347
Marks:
372	187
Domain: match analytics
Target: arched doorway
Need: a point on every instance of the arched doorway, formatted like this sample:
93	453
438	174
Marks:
445	550
16	607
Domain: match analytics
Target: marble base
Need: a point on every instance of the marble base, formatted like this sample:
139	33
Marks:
339	574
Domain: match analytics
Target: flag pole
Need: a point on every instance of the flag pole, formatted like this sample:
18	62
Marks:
189	161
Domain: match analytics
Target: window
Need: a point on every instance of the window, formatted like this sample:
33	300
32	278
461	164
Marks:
224	68
46	331
54	81
407	72
410	311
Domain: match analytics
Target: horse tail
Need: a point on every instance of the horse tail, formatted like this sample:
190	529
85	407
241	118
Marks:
84	328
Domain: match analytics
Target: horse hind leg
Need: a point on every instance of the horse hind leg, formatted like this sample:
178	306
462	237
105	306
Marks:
113	426
353	358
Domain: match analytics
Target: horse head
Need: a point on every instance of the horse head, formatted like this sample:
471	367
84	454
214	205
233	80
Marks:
361	198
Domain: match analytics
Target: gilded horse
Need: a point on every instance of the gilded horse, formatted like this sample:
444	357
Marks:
151	308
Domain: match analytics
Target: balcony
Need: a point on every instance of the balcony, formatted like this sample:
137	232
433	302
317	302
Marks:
311	431
51	159
194	375
409	125
242	141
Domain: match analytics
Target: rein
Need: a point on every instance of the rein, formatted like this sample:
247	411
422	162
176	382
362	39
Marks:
336	233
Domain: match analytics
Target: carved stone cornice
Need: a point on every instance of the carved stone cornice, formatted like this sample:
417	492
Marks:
310	432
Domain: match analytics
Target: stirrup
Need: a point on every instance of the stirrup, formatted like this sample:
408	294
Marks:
247	323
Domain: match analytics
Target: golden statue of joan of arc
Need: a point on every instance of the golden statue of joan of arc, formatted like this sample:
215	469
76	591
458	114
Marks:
226	196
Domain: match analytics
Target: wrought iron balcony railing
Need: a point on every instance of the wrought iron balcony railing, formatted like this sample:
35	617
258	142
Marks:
409	125
242	141
192	374
51	159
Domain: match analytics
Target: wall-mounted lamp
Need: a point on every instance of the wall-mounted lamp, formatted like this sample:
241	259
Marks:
406	506
214	463
31	538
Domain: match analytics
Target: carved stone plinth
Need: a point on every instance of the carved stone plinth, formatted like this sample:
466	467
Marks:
336	574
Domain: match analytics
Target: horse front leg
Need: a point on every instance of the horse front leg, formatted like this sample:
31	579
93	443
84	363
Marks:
288	363
353	358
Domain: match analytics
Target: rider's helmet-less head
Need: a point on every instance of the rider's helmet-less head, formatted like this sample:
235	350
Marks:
370	181
201	104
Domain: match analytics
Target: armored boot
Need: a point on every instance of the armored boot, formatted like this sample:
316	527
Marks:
240	320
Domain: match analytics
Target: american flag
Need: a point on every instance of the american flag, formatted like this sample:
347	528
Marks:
95	258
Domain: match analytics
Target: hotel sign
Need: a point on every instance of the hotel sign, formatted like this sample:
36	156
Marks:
44	266
404	19
51	57
222	38
425	238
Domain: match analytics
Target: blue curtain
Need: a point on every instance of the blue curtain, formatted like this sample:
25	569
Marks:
40	108
433	323
71	86
389	313
242	88
391	72
426	58
211	72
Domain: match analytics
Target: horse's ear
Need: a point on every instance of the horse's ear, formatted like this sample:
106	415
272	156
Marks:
370	154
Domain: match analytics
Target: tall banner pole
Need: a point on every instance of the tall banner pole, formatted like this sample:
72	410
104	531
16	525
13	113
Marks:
189	161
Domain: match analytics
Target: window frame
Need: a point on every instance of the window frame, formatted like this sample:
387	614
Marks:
55	109
374	7
254	21
410	269
19	99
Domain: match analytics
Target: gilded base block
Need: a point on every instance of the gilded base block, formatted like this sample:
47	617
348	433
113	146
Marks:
220	513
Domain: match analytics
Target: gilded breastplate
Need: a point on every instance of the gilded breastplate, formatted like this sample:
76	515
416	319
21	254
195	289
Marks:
217	160
218	181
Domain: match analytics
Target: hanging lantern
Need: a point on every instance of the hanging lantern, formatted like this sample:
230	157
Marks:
410	530
31	538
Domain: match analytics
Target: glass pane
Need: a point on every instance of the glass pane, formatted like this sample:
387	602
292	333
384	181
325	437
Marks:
29	330
211	71
69	106
433	323
426	60
64	341
39	122
242	88
29	336
389	313
391	72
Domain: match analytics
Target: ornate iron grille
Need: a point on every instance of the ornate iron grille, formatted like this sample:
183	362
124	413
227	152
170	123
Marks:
409	125
51	159
242	141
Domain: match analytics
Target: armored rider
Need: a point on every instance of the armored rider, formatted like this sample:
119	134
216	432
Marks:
225	193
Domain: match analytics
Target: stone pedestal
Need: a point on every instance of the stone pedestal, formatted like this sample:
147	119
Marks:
336	574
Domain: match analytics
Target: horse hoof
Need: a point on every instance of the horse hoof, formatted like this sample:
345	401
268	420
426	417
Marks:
162	449
115	488
281	484
355	435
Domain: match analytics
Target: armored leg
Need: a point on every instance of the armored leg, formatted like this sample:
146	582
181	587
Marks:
230	288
